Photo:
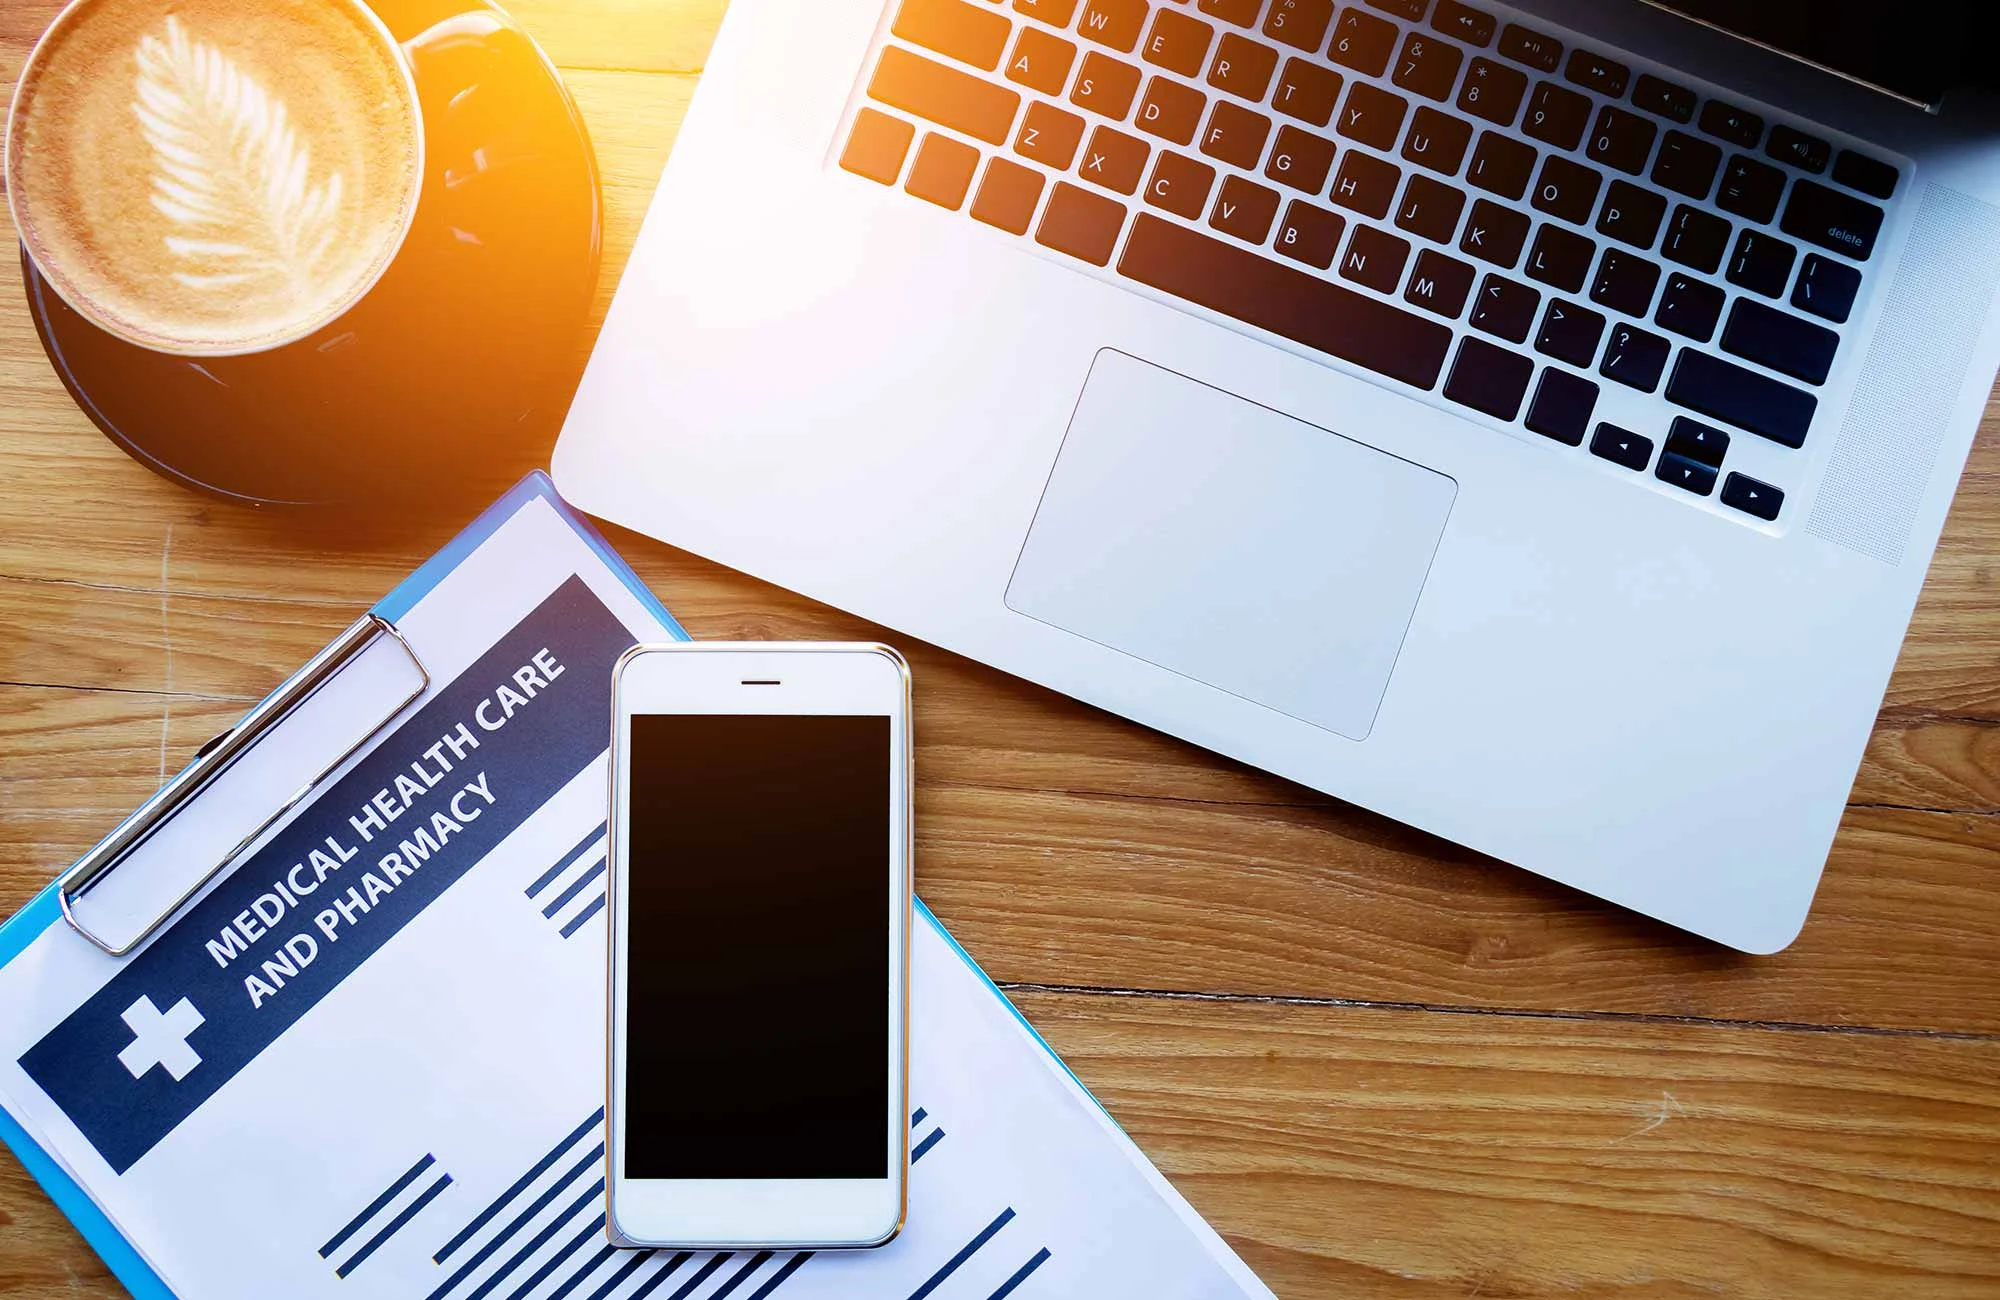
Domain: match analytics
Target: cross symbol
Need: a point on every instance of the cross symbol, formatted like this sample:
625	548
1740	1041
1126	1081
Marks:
160	1039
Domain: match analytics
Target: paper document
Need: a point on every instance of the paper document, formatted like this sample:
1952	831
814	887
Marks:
368	1061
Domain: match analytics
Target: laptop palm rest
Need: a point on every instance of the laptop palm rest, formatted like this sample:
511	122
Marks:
1232	544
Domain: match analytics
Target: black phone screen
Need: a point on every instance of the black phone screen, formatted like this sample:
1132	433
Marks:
757	969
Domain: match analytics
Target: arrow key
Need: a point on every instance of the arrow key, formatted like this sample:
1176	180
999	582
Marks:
1621	446
1684	473
1751	497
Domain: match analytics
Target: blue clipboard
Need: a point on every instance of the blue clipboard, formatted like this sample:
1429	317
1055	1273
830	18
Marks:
45	910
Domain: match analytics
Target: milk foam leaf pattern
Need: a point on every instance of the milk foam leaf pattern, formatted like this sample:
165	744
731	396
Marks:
229	170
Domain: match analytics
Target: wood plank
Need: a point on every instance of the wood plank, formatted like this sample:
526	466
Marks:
1363	1152
1320	899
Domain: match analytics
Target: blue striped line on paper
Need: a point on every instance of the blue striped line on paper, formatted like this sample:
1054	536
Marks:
410	1211
966	1252
577	886
792	1265
631	1266
918	1118
542	881
537	1241
596	906
375	1206
521	1220
701	1275
756	1262
1020	1275
541	1167
564	1253
604	1252
926	1145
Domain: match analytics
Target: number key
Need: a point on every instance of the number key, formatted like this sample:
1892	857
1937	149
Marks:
1621	139
1556	115
1362	42
1493	91
1299	23
1427	66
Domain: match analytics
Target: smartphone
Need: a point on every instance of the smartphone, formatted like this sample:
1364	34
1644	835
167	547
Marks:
759	966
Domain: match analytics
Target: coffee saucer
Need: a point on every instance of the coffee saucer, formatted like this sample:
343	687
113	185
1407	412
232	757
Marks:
463	357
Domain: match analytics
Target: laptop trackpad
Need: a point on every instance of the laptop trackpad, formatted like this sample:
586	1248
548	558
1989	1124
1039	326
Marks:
1222	540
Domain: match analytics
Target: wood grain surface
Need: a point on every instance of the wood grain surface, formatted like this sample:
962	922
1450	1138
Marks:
1381	1065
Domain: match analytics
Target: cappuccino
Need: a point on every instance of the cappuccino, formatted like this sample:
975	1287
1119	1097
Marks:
214	177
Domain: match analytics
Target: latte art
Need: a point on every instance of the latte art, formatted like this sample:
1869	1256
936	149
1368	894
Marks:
214	177
229	171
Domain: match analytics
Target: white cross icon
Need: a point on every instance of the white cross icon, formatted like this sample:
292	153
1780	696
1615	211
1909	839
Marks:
161	1039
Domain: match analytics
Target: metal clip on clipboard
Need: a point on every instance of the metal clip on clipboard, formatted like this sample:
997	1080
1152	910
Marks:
215	758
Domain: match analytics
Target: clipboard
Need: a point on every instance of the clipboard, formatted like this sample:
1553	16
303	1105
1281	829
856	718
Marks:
55	904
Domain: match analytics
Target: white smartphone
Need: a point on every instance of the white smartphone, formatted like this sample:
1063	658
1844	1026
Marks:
760	916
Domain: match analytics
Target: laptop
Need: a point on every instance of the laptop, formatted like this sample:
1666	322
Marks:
1529	421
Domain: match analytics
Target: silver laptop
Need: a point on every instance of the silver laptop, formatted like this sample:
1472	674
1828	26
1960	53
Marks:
1532	422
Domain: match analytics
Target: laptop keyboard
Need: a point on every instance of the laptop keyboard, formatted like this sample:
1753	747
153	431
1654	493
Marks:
1431	191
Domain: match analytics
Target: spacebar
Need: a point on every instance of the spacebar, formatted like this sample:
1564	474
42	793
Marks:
1305	309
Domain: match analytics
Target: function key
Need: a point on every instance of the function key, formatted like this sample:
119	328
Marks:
1621	446
1595	72
1806	152
1473	26
1832	220
1526	45
1410	9
1243	13
1728	122
1675	103
1859	171
1744	493
1826	288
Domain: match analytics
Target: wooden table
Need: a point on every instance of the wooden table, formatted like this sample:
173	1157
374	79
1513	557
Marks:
1380	1065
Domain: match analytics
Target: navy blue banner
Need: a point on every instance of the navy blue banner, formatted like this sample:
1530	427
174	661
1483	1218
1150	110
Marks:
207	995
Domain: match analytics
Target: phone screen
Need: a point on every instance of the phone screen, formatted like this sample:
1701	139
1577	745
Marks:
757	988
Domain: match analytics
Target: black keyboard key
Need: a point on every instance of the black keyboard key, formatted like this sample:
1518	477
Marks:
1372	115
1042	62
1235	134
1300	159
1489	379
1105	86
1243	67
1057	13
1007	196
942	173
1300	24
1675	103
1505	309
1320	314
1081	223
1631	215
1310	234
1806	152
1362	42
969	33
1114	160
1473	26
1049	136
1307	91
1366	184
1728	122
1761	263
1696	238
1501	165
1725	391
1170	110
944	95
1704	444
1595	72
1826	288
1624	282
1750	188
1621	140
1741	492
1427	66
1687	164
1634	357
1115	23
1494	234
1241	12
1556	115
1180	185
1832	220
1684	473
1689	307
1410	9
1570	333
1245	209
1562	406
1430	208
1561	258
1860	172
1492	91
1375	258
1621	446
1437	140
1177	42
1566	189
877	146
1439	284
1526	45
1780	341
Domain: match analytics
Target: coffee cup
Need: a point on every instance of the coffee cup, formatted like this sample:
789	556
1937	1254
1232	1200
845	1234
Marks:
214	178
